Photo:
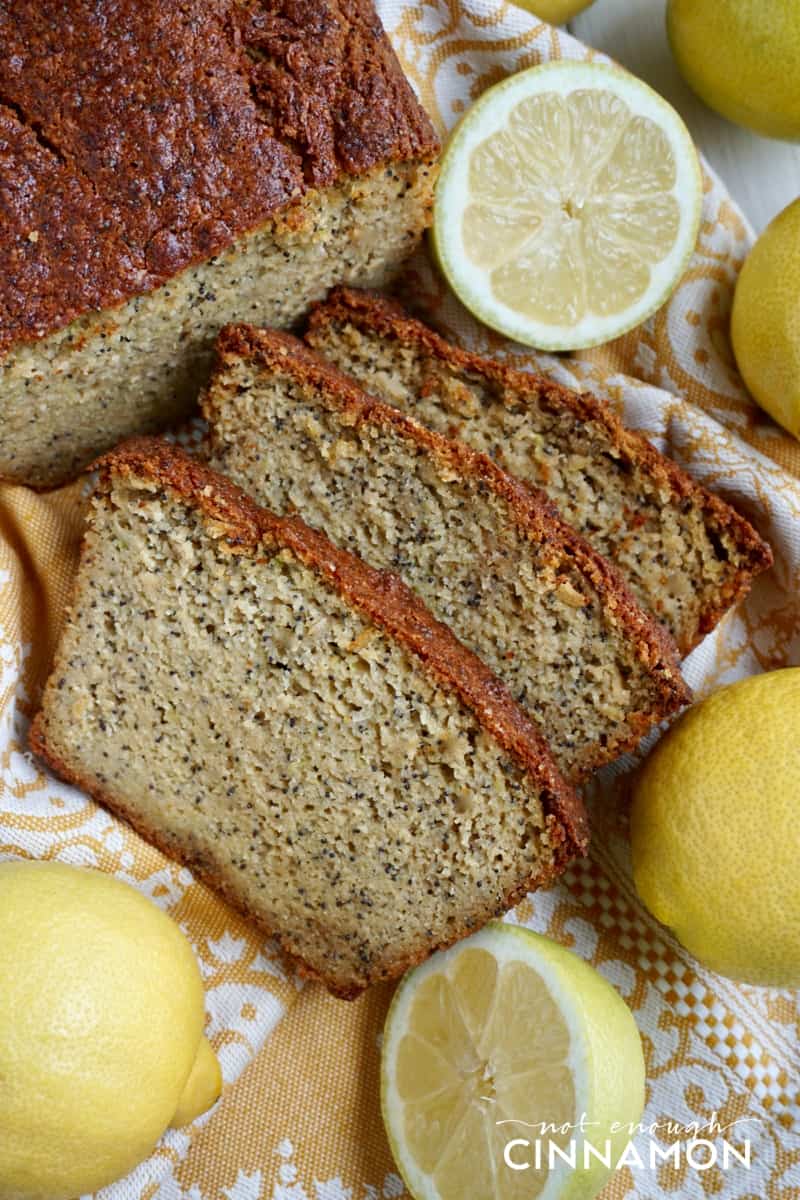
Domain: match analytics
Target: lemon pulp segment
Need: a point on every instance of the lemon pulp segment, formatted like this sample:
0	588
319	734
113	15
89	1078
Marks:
568	205
486	1043
506	1037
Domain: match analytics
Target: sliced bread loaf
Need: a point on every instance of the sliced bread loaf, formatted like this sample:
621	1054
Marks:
686	555
489	557
294	726
168	167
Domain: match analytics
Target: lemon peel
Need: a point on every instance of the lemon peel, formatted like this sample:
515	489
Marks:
101	1021
715	838
765	323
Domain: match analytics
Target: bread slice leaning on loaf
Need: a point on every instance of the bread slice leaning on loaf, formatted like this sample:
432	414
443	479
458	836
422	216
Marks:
488	556
294	726
686	555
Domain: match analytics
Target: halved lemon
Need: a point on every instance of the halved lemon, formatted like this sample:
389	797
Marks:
568	205
504	1041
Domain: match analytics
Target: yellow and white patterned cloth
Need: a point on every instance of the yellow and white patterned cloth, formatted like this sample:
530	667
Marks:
300	1117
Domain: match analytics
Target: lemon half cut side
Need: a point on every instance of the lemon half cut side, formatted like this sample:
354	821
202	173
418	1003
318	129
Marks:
489	1041
568	205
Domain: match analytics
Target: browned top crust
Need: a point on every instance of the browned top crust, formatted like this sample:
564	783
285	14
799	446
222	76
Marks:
138	137
381	597
389	319
536	515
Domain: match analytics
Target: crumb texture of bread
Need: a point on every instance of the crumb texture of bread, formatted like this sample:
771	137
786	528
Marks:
214	687
168	167
138	368
489	558
686	555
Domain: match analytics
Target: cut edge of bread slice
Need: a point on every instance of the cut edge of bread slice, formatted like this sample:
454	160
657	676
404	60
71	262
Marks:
383	601
382	317
532	513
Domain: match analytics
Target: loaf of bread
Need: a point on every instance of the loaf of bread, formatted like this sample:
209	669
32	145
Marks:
294	726
686	555
165	168
487	555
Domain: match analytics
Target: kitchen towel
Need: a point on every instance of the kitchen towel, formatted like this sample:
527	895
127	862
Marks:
300	1118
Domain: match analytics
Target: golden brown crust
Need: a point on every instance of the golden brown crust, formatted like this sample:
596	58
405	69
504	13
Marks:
141	137
384	600
534	514
389	319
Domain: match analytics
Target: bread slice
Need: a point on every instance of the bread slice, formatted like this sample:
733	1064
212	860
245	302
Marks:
488	556
294	726
686	555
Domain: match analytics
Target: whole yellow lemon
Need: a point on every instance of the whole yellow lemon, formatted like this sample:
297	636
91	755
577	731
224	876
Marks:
742	57
715	834
101	1030
765	324
557	12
